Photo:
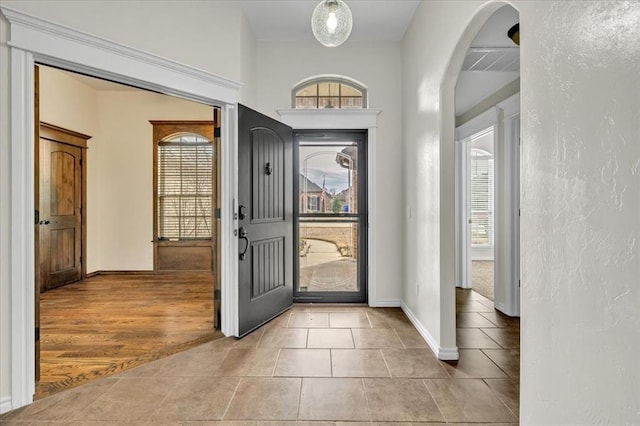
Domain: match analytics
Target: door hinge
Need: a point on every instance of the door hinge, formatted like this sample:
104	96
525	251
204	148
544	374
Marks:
37	333
37	216
218	213
216	132
519	283
216	294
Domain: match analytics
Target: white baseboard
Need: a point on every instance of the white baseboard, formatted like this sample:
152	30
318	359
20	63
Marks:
444	354
5	404
388	303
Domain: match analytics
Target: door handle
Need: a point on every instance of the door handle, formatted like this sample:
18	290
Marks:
44	222
243	235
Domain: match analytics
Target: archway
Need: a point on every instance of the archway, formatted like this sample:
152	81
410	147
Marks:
491	112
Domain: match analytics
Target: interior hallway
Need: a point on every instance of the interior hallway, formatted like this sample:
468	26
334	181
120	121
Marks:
320	363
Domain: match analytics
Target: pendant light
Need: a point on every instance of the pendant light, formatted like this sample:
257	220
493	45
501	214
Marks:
331	22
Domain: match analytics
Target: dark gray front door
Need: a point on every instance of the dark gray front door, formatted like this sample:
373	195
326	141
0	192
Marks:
265	213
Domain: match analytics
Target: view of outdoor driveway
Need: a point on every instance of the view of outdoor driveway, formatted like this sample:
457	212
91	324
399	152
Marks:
323	267
328	217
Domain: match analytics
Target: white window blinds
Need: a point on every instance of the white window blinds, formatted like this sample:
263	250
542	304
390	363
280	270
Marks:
481	197
184	188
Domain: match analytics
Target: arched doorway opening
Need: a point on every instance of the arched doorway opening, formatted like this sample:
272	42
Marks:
480	105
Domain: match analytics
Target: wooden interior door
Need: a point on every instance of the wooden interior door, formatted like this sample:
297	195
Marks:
60	221
265	194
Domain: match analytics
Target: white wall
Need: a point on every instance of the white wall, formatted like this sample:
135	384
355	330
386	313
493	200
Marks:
124	163
428	169
68	103
119	163
248	69
580	198
580	212
203	34
282	65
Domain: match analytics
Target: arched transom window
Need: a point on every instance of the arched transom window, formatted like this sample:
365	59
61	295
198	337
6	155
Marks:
329	92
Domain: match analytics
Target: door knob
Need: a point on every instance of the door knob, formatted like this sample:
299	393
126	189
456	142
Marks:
44	222
243	235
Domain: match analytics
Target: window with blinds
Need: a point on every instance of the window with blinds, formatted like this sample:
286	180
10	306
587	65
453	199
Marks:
481	197
184	187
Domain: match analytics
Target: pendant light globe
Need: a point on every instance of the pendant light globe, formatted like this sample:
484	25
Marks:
331	22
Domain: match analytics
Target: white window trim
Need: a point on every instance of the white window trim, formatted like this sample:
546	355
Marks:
349	119
32	40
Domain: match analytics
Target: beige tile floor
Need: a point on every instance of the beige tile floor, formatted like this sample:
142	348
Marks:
325	365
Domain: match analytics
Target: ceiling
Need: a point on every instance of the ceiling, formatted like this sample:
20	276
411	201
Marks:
375	20
492	62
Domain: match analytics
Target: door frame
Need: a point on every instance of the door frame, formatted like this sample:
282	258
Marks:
64	136
32	40
504	118
336	296
350	119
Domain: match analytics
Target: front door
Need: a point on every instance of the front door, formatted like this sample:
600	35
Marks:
60	202
265	217
331	216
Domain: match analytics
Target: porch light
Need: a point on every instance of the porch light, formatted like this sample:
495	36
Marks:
331	22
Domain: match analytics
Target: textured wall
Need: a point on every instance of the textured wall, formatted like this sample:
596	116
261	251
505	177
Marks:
580	212
580	88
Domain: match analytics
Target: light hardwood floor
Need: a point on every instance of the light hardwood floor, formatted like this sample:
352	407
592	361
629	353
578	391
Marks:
109	323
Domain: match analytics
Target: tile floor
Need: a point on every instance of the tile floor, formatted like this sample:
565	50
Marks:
325	365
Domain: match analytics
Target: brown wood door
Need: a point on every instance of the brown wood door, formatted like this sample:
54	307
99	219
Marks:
60	214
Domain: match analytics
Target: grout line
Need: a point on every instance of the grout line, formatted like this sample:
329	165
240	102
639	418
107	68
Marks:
231	399
331	361
493	340
260	338
366	399
368	319
435	401
497	395
273	372
400	338
299	398
385	362
495	363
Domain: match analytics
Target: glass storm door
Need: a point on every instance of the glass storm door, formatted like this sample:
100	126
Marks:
331	216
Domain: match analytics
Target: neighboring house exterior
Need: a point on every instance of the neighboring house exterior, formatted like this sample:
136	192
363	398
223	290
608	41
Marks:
313	199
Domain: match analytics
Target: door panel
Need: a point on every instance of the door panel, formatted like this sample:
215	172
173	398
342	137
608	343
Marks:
265	214
60	232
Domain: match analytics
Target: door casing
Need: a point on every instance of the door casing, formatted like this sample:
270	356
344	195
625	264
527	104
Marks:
362	166
80	52
77	140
